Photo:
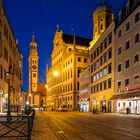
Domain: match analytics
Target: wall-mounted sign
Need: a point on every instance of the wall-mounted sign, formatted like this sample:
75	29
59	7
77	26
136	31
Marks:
133	88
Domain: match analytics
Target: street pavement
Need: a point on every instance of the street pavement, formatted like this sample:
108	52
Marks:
85	126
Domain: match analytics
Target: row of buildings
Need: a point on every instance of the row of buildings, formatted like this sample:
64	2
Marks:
102	73
10	65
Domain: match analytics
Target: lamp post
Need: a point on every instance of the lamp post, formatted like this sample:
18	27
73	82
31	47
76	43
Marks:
9	73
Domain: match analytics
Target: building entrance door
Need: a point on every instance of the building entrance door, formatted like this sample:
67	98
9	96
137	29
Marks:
103	106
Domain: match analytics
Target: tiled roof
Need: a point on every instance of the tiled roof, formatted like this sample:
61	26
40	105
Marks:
78	40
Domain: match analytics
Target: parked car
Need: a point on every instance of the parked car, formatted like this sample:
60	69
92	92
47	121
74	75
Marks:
62	109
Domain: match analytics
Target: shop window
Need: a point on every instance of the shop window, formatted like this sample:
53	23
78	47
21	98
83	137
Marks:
137	38
119	104
123	104
129	104
137	16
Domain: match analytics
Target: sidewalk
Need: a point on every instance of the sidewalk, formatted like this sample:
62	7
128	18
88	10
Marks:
42	129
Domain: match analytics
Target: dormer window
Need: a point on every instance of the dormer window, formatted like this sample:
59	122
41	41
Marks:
127	7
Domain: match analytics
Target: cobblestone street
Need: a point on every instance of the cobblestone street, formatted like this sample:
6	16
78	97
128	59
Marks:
85	126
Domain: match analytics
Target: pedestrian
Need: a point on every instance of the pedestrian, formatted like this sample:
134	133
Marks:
52	109
127	110
105	108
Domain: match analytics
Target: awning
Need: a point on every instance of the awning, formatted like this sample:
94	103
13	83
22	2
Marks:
126	95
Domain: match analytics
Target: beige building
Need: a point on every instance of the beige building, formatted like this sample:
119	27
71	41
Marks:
84	90
69	57
127	68
10	61
102	60
37	92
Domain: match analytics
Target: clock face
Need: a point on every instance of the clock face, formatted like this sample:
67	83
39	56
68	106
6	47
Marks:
34	67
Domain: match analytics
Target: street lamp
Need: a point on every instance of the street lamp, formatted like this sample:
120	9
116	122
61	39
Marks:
9	74
56	73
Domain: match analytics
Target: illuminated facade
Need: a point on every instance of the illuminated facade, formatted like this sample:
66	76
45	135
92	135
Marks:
127	68
84	92
36	91
102	60
69	57
10	58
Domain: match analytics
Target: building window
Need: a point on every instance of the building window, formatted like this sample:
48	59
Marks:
136	58
101	48
127	26
97	51
110	54
119	84
77	85
85	60
104	85
1	72
136	80
100	86
105	55
127	64
97	88
101	73
119	67
109	83
105	43
101	60
110	38
79	59
126	82
119	33
127	45
105	71
101	26
137	17
119	50
137	38
34	74
127	7
109	68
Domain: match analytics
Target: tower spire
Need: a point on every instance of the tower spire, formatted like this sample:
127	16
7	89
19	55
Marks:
33	37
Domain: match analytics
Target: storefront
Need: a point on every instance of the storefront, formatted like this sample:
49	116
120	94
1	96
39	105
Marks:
84	106
127	102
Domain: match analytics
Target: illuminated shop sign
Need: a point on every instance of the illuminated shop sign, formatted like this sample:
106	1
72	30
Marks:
133	88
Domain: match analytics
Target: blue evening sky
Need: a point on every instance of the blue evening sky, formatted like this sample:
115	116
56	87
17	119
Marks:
42	16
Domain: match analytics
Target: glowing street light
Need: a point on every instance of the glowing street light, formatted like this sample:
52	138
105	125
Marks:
56	73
